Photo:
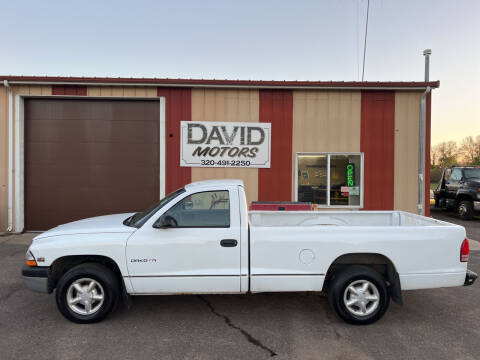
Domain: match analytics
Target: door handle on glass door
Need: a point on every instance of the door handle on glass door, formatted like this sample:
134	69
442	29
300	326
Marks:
228	242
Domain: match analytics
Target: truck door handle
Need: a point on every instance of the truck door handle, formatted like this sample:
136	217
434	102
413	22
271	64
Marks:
228	242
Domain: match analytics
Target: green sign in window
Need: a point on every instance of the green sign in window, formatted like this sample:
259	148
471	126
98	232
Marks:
350	171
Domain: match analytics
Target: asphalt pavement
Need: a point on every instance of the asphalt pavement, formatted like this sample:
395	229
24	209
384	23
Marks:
432	324
472	226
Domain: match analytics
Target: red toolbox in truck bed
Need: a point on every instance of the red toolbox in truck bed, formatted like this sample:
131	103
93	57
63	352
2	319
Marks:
280	205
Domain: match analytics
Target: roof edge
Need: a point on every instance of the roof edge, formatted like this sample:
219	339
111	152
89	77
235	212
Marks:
99	81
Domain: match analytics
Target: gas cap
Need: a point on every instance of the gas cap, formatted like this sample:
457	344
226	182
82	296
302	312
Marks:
307	256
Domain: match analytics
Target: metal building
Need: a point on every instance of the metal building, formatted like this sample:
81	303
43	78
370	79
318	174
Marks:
78	147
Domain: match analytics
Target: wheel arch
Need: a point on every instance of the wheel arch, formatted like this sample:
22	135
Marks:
464	196
62	264
379	262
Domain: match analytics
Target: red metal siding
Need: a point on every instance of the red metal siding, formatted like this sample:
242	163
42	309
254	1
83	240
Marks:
276	107
69	90
178	108
377	143
428	126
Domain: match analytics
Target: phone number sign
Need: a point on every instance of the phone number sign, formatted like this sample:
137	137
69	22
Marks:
225	144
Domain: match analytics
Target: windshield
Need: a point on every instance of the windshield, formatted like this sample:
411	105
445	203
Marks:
471	173
138	219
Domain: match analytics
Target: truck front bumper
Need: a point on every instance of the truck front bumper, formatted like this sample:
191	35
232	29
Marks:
36	278
470	278
476	205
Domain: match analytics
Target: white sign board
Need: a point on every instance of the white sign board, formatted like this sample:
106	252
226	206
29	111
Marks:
225	144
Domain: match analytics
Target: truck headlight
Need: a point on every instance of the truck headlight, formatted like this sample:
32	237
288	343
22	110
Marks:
30	259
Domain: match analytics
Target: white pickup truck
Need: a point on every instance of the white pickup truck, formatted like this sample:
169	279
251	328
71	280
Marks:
201	239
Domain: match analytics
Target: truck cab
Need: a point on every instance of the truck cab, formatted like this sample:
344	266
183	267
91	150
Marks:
459	190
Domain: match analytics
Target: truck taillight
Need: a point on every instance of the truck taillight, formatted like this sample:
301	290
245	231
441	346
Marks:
464	250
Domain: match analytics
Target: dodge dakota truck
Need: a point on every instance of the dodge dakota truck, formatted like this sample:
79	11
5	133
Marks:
201	239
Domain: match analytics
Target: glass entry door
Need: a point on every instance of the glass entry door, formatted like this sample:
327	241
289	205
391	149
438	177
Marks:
312	179
330	179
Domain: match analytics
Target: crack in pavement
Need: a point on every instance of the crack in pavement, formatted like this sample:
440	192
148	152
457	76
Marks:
247	335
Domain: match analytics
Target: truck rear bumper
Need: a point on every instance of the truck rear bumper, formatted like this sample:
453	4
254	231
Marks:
470	278
36	278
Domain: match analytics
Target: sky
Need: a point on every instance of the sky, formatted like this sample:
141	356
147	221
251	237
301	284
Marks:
261	40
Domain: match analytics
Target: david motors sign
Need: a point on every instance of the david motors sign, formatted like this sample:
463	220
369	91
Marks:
225	144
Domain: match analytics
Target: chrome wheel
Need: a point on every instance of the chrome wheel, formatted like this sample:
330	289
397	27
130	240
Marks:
361	298
85	296
462	209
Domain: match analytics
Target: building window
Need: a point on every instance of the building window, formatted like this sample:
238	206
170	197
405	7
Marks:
330	180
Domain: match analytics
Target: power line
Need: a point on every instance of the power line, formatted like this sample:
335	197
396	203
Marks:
365	43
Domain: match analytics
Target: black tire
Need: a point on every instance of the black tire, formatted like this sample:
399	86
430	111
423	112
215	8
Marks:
465	209
343	279
101	274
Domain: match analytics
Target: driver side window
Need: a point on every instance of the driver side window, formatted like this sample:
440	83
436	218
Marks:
456	175
208	209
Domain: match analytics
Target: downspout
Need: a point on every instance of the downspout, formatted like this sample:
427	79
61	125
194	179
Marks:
10	157
421	158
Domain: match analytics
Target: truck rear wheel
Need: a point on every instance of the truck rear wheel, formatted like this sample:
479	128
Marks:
465	209
87	293
359	295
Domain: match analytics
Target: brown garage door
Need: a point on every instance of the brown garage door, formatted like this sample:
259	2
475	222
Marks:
86	158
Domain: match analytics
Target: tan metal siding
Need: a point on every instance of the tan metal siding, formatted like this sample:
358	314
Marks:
407	124
32	90
16	90
3	158
227	105
325	121
131	91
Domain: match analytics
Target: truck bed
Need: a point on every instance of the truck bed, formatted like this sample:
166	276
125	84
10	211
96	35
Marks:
291	251
340	218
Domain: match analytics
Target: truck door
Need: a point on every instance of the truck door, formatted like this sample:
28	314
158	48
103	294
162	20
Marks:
193	247
453	183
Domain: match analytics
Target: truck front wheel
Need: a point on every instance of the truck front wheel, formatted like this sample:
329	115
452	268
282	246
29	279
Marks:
465	209
87	293
359	295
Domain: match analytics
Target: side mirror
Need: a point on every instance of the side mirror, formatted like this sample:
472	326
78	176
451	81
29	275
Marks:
165	222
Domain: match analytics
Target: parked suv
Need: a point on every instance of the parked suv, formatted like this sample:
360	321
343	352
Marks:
459	190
